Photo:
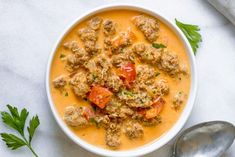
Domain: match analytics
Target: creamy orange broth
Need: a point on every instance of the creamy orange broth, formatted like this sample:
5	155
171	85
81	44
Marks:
169	116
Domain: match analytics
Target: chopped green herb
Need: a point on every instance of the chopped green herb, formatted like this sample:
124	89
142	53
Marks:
16	121
192	34
158	46
126	92
66	94
157	74
62	56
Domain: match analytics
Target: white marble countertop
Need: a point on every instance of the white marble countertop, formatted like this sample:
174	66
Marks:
29	29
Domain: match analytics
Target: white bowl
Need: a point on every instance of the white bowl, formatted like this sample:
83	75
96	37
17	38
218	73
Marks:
164	138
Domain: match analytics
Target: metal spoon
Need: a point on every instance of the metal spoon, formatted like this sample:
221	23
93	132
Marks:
210	139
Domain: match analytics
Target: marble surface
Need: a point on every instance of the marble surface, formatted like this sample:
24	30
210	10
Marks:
29	29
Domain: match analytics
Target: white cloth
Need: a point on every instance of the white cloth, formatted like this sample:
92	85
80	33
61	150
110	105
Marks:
30	28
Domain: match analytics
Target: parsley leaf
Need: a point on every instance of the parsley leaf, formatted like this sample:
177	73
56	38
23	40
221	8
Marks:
16	120
33	124
158	46
12	141
192	34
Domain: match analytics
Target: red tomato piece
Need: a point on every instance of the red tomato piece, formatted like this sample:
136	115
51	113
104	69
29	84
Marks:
100	96
157	108
128	73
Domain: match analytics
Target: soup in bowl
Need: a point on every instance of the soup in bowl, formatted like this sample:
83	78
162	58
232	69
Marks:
121	81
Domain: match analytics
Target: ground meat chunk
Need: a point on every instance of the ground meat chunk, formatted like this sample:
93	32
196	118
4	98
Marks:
59	82
74	117
169	63
115	109
79	84
109	28
133	130
151	122
112	135
118	60
109	31
98	68
144	73
135	99
78	59
87	34
113	82
95	23
102	120
72	46
148	26
122	40
178	100
147	53
145	76
89	38
160	88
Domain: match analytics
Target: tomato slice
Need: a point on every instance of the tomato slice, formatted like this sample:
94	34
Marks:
128	73
156	108
100	96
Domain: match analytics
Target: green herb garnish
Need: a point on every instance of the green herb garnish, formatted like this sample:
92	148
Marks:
126	92
158	46
157	74
16	121
62	56
192	34
66	94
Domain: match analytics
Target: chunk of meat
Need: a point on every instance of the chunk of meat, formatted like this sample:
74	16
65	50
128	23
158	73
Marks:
98	68
123	58
112	135
169	63
155	109
116	109
135	99
128	73
178	100
160	88
148	26
74	117
109	27
79	84
152	121
100	96
145	74
95	23
123	39
71	45
89	38
147	53
87	34
113	82
133	130
102	120
78	59
59	82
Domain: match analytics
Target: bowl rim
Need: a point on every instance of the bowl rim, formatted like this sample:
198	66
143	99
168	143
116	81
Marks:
166	137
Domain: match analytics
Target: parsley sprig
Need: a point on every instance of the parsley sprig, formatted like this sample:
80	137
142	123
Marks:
16	121
192	34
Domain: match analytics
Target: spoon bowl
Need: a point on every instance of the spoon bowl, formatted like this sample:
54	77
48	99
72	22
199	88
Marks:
210	139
